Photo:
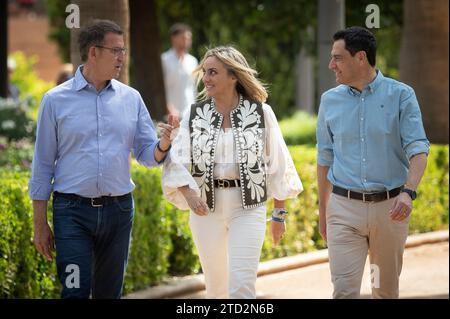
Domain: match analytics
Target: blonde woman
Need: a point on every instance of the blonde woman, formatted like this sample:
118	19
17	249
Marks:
228	159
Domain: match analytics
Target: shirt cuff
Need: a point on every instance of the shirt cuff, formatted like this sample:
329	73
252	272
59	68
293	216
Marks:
147	157
38	191
417	147
325	158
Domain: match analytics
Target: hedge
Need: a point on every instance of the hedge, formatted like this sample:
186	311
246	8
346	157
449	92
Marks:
161	242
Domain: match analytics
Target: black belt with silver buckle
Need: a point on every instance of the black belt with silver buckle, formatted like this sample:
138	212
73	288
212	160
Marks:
227	183
367	197
94	202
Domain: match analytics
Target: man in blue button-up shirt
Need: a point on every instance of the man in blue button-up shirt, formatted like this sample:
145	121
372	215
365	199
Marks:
86	128
371	155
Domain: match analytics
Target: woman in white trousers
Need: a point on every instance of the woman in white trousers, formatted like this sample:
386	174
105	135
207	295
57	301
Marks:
227	160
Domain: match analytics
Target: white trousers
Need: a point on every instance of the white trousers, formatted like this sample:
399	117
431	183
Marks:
229	242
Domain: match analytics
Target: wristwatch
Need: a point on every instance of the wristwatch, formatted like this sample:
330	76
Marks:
410	192
279	212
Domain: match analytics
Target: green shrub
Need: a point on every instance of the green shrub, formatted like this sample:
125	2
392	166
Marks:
430	210
30	86
14	121
23	272
183	259
16	155
302	218
299	129
150	245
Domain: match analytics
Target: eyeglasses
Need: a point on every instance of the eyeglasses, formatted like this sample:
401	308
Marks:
115	51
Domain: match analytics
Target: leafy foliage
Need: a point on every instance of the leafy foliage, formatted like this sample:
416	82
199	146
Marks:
31	87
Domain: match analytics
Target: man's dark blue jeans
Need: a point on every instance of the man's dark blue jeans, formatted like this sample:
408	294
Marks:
92	244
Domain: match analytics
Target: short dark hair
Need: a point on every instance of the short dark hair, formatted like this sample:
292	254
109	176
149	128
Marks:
358	39
94	34
178	28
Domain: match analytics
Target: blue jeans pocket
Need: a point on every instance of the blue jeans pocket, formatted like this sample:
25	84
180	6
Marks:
125	206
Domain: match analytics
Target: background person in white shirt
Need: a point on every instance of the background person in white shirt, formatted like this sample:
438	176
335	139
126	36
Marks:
178	66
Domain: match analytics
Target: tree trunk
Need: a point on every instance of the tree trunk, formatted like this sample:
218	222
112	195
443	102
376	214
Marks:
115	10
424	62
331	19
3	48
147	76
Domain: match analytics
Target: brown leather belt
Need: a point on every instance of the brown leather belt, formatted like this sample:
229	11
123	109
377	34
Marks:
94	202
227	183
367	197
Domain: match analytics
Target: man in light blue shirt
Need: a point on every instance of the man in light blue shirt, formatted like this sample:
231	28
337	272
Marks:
86	129
371	154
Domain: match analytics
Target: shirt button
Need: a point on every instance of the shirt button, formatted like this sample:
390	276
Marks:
100	134
364	159
365	180
362	99
362	140
362	118
101	154
100	174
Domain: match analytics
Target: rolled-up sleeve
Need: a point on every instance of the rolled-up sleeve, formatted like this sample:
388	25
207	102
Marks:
413	137
145	139
40	184
325	155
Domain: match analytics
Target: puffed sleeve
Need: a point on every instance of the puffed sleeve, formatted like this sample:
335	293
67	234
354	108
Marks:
282	179
176	168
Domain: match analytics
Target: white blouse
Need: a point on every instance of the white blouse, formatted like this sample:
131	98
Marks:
282	179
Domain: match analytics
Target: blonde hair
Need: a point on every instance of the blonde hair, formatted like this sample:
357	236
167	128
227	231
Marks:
247	82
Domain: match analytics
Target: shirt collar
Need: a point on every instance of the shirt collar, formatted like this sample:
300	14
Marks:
371	87
81	83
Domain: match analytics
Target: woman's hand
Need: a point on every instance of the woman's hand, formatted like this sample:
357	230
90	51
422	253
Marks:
195	202
197	205
277	229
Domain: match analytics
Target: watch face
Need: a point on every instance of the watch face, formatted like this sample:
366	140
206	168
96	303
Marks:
411	193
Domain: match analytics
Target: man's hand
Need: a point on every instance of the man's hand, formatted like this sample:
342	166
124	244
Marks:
402	207
44	240
168	131
277	229
43	235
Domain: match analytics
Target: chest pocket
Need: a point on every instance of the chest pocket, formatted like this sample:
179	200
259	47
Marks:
384	120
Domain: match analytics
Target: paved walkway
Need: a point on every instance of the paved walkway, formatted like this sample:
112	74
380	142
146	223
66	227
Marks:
425	275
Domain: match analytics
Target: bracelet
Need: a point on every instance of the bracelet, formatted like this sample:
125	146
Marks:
160	149
277	219
279	212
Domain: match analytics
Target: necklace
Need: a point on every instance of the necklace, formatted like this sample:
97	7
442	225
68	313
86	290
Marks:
213	104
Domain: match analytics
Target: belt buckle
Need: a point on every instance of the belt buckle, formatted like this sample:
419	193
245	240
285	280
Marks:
93	204
223	183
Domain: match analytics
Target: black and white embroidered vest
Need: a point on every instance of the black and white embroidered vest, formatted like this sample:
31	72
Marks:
247	122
